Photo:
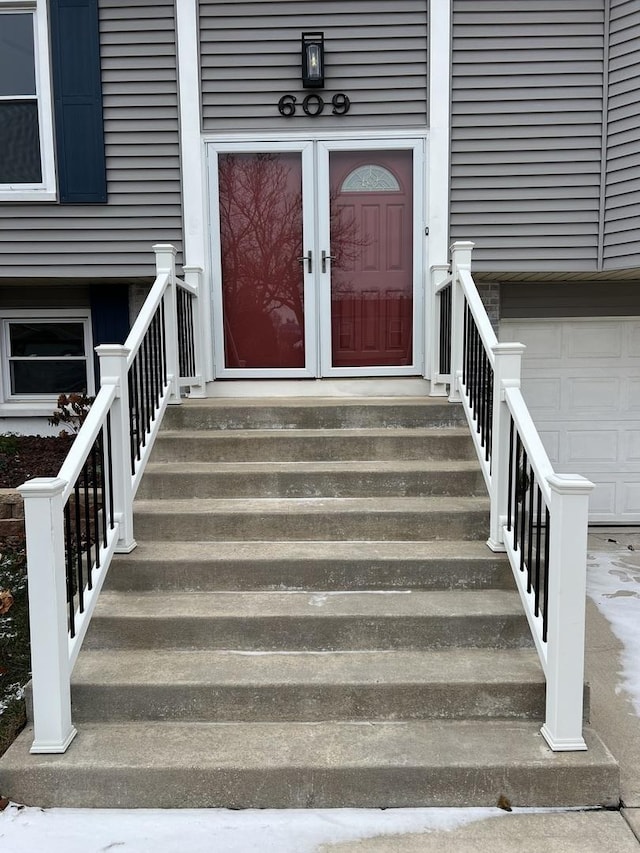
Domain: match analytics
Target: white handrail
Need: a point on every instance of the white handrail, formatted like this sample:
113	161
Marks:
565	497
54	648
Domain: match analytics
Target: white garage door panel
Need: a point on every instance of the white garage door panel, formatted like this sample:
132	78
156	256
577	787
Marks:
581	381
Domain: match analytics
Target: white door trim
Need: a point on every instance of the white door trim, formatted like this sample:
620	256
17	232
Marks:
316	190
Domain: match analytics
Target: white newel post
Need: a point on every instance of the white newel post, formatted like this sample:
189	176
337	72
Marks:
113	371
460	260
506	374
439	272
193	276
166	263
43	512
569	513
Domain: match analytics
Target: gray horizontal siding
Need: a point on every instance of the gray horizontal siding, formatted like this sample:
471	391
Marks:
137	43
526	132
376	53
622	206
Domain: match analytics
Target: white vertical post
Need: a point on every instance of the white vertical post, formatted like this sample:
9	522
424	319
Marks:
193	276
569	514
166	263
43	513
506	374
460	260
113	371
439	273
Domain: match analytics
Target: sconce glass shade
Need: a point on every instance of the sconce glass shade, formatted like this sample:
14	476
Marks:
313	60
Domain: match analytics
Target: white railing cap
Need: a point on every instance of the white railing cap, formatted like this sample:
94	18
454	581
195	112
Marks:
574	484
42	487
111	350
508	348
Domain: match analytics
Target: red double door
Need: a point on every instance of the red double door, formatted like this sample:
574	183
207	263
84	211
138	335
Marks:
316	261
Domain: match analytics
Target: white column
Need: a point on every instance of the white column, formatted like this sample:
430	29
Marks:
506	374
439	129
113	371
569	513
460	260
192	161
166	263
43	512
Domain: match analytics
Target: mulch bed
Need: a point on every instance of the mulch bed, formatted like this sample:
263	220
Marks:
25	456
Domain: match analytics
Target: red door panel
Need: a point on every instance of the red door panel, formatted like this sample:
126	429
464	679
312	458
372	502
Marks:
372	272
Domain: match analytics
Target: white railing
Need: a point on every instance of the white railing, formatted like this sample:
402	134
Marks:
76	521
538	517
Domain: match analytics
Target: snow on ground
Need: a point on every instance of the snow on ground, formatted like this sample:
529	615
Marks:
613	583
32	830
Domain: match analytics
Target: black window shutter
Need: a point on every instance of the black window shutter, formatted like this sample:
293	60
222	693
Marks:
109	315
77	95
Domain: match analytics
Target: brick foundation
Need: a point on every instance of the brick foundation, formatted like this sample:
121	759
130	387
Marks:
11	514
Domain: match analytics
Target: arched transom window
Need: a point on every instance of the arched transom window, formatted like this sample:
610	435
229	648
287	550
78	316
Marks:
370	178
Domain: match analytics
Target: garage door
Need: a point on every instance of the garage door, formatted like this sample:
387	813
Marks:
581	381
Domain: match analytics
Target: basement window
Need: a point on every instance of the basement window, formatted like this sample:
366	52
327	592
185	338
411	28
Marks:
46	356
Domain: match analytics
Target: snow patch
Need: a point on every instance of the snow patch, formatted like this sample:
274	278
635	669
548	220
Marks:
613	583
25	830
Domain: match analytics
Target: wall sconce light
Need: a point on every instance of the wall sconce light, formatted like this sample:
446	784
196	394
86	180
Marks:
313	60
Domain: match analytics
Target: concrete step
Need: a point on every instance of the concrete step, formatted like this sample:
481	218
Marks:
311	565
309	621
179	480
307	686
303	765
316	413
257	445
313	518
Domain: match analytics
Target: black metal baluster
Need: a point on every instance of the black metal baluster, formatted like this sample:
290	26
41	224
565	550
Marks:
79	575
164	343
95	495
545	597
523	514
103	485
510	490
516	509
536	608
134	414
69	570
110	473
88	550
530	532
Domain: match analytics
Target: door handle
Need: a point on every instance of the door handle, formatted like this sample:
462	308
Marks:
326	258
307	258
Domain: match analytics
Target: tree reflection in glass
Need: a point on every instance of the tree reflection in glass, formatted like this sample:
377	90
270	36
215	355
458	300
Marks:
261	241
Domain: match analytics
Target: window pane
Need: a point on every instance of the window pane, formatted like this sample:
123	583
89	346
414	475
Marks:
48	377
17	68
46	339
19	143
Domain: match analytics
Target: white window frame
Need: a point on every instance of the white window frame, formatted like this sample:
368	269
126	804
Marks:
40	403
46	190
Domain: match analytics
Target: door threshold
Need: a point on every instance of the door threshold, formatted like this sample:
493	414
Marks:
396	386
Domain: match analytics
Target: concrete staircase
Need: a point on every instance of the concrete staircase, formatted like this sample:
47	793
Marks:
311	619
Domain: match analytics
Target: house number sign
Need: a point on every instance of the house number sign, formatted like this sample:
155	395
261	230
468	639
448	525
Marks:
313	105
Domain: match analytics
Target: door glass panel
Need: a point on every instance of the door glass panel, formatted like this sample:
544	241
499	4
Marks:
371	218
261	243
